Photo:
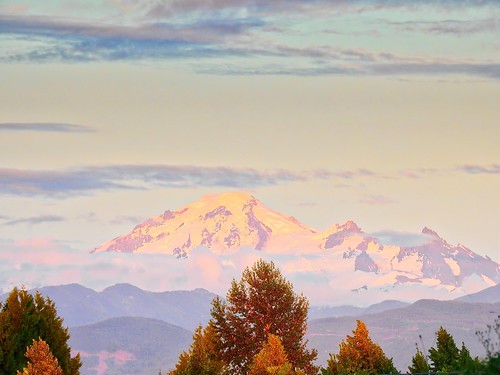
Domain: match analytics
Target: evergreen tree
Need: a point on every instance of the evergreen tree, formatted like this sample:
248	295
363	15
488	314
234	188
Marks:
24	318
445	356
201	358
466	363
262	303
359	354
41	360
271	360
419	364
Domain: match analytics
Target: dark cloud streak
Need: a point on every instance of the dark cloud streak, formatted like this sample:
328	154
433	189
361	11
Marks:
35	220
44	127
480	169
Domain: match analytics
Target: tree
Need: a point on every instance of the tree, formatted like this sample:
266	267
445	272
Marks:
359	354
445	356
490	338
202	357
262	303
41	360
271	360
24	318
419	364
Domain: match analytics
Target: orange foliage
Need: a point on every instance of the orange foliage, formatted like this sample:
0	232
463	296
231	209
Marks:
41	360
271	360
358	353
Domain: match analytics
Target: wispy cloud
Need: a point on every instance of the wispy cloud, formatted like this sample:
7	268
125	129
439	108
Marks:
377	200
208	31
85	180
454	27
480	169
394	68
44	127
406	239
34	220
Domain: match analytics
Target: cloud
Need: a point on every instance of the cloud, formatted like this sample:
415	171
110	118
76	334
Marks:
377	200
405	239
169	8
44	127
85	180
44	262
34	220
394	68
453	27
221	29
480	169
127	220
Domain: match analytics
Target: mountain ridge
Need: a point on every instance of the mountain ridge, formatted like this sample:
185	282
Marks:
226	223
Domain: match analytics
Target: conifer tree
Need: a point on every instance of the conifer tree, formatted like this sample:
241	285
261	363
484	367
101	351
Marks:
419	364
271	360
202	357
262	303
24	318
41	360
445	356
359	354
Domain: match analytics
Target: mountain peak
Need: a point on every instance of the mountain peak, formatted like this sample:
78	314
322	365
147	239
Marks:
228	222
221	222
430	232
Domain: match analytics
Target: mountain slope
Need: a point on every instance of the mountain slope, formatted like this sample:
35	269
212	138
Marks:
488	295
79	306
227	223
128	345
397	331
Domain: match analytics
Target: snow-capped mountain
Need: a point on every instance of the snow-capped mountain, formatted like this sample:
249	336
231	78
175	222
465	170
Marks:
226	223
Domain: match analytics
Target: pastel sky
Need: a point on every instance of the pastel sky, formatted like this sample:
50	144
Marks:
112	111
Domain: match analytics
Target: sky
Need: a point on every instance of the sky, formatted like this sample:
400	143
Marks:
112	111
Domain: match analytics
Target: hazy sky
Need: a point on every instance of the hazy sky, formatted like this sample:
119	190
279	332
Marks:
382	112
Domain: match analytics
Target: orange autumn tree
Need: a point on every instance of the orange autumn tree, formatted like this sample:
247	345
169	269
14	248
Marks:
271	360
261	303
41	360
359	354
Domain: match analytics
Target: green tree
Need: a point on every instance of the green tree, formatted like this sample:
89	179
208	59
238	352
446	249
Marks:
262	303
445	356
271	360
359	354
41	360
419	364
24	318
202	356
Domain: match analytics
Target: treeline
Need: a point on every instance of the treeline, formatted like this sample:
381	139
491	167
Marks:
33	340
259	329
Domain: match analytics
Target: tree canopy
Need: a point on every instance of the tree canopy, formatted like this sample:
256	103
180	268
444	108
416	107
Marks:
262	303
202	357
419	364
359	354
41	360
271	360
24	318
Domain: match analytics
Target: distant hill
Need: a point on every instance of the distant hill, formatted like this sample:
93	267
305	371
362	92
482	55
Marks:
319	312
129	346
488	295
82	306
397	331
